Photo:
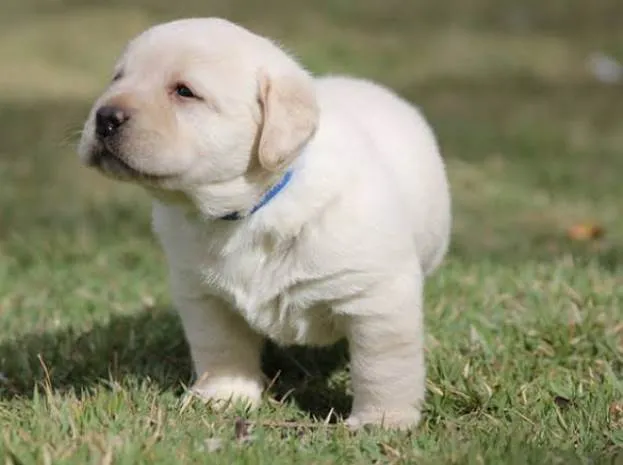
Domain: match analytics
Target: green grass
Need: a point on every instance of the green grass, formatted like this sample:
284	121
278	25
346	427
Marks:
525	332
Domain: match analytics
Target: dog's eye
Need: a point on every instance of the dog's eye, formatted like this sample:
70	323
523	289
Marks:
118	75
184	91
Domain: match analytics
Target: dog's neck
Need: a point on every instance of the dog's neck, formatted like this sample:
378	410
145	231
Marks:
267	197
231	200
304	196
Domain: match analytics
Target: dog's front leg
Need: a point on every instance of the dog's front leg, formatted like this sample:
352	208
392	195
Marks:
225	351
386	343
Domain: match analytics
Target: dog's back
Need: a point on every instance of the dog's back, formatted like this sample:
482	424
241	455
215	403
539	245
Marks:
407	146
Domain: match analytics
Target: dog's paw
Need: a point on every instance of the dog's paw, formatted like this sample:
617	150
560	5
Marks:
222	392
406	419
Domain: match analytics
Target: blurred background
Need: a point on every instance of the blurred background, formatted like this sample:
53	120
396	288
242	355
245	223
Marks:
525	97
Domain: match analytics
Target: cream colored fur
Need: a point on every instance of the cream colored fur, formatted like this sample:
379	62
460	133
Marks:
341	252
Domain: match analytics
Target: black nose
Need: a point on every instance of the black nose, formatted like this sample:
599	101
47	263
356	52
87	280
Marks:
109	119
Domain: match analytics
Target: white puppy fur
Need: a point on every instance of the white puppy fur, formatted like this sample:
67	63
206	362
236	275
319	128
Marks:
207	116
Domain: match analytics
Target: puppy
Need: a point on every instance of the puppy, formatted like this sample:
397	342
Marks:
299	209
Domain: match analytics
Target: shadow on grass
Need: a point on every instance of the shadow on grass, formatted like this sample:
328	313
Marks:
150	347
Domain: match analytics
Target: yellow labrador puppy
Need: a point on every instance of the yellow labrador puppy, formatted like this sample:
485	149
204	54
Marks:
299	209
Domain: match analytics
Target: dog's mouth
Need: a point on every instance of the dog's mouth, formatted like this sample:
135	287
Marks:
112	165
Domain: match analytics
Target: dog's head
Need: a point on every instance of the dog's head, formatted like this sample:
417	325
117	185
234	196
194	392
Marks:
197	103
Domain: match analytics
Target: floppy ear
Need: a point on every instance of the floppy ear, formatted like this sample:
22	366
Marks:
290	118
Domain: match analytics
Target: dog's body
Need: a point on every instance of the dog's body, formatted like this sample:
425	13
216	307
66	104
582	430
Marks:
341	251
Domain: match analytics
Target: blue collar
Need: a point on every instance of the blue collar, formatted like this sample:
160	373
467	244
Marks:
265	199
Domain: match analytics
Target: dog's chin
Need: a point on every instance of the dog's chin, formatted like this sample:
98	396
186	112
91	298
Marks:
113	166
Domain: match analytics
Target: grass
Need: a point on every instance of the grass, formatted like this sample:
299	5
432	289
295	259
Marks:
525	333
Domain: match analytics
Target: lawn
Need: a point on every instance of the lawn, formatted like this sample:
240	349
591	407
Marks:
524	325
